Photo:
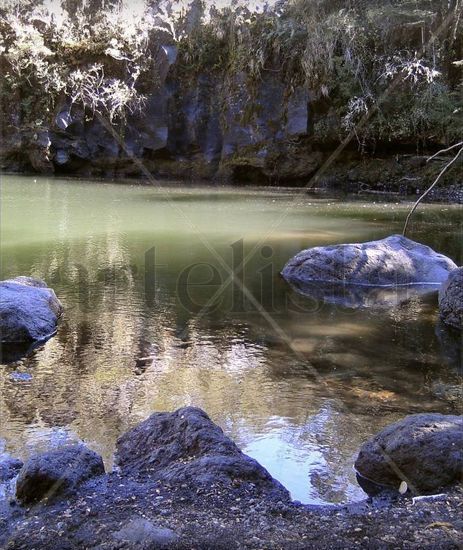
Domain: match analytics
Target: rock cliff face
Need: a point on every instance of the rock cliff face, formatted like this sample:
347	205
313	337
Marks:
197	126
232	93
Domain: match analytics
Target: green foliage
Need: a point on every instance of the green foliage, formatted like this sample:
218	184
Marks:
391	61
96	66
367	58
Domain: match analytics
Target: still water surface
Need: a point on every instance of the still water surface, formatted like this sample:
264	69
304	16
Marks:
299	385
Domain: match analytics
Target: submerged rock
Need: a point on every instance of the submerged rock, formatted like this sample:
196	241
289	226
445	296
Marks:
451	299
53	473
29	311
424	450
186	446
451	345
384	272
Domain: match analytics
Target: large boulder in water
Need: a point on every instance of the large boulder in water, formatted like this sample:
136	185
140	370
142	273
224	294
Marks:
394	260
451	299
29	311
424	450
384	272
53	473
185	446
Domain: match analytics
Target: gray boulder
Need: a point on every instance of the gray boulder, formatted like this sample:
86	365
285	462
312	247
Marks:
186	446
424	450
376	273
394	260
451	299
54	473
29	311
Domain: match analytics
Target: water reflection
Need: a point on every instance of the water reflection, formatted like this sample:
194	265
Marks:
301	399
353	296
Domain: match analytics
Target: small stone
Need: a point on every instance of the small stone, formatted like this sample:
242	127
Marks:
141	532
59	472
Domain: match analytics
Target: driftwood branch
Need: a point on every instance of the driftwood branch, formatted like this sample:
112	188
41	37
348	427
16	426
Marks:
446	167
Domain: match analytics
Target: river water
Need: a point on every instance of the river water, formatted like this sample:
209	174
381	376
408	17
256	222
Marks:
153	322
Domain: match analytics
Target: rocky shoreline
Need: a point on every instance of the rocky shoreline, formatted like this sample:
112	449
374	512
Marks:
388	178
182	484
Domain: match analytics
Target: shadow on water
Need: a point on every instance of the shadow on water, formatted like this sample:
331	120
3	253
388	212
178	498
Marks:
13	352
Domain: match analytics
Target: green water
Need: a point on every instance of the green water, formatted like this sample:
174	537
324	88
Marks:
151	324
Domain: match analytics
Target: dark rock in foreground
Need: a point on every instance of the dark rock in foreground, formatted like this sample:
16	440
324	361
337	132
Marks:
29	311
186	446
338	273
424	450
47	475
451	299
167	495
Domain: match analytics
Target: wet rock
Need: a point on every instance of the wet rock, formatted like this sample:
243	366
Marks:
29	310
451	345
142	533
451	393
388	263
194	120
63	119
62	156
39	159
54	473
186	446
424	450
451	299
9	467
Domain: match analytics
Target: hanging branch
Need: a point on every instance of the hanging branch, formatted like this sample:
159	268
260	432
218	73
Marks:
446	167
